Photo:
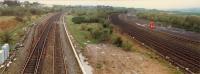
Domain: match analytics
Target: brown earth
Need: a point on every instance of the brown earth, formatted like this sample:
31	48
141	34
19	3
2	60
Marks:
20	54
7	24
108	59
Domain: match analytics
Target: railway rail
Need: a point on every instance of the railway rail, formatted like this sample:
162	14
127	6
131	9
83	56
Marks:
34	60
179	38
64	57
59	65
177	54
41	22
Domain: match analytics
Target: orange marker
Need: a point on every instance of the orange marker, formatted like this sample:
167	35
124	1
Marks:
151	24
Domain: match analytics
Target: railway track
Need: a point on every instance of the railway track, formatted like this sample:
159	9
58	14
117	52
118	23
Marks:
50	32
181	38
59	66
177	54
63	58
178	38
33	63
43	20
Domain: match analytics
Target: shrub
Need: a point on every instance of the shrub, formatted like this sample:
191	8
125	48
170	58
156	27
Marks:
99	66
96	34
6	37
78	19
91	20
127	46
117	41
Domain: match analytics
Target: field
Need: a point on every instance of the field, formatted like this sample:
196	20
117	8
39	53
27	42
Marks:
82	37
12	30
7	22
105	57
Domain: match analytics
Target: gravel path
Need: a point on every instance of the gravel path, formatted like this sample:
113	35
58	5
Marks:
72	64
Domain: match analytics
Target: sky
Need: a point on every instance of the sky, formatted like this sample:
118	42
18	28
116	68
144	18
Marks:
149	4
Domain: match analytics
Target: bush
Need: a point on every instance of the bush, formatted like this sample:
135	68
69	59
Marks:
96	34
117	41
100	34
99	66
6	37
105	35
127	46
91	20
78	19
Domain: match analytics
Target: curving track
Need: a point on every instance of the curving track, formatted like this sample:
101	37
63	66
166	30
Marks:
178	54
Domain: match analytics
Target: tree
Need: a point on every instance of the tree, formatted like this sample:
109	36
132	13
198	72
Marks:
78	20
187	22
11	2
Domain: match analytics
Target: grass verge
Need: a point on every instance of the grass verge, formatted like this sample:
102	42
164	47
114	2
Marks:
81	36
15	32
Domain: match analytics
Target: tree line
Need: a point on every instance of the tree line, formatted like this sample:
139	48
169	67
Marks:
187	22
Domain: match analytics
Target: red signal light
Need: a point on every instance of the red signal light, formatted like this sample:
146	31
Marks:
151	25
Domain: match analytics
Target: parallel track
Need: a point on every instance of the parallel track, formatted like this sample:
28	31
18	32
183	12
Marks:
59	66
34	60
169	35
179	55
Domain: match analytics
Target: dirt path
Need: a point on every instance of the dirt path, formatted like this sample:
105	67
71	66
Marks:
108	59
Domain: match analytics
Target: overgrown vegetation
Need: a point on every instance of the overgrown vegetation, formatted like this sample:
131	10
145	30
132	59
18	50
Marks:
6	37
101	31
12	32
117	41
22	9
91	24
99	66
187	22
15	17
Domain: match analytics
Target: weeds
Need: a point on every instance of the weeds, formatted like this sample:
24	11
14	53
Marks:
117	41
99	66
127	46
6	37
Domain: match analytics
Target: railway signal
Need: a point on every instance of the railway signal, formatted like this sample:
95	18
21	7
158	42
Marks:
151	24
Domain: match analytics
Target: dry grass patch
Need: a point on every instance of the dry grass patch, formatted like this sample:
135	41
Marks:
8	24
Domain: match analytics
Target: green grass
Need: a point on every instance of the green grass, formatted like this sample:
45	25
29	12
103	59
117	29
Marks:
79	35
82	36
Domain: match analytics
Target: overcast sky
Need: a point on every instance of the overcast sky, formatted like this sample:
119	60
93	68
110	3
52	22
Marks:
150	4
